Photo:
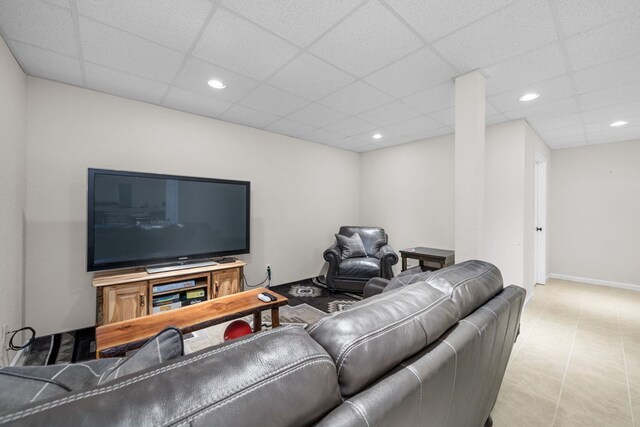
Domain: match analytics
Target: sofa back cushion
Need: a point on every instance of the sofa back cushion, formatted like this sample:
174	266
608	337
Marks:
373	238
470	284
376	334
275	378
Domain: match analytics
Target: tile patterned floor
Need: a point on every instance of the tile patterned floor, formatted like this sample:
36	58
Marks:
577	360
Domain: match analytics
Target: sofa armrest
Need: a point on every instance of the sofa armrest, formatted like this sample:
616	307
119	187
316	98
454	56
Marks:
388	258
375	286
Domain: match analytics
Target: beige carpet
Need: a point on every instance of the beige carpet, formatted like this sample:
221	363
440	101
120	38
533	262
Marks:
302	314
577	360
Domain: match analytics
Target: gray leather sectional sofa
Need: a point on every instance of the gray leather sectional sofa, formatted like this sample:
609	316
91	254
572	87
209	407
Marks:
429	351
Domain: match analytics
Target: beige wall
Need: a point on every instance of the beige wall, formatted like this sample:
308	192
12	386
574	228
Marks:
408	190
594	213
301	191
13	113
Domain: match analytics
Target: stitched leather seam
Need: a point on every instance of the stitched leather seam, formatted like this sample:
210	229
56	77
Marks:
375	334
55	403
252	381
322	359
413	371
455	373
475	372
487	308
45	386
359	410
352	309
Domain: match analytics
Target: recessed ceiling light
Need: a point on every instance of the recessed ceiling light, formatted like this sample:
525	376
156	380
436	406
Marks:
529	97
619	123
377	136
217	84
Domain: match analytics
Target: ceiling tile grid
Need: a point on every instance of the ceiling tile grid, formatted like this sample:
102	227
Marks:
336	72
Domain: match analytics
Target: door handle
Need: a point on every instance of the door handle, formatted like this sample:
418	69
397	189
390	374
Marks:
141	300
538	228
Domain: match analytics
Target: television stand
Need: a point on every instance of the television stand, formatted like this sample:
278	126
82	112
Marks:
161	268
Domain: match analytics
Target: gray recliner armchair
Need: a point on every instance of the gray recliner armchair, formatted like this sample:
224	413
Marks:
352	274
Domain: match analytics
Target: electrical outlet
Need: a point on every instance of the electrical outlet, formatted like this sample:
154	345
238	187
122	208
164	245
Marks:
269	272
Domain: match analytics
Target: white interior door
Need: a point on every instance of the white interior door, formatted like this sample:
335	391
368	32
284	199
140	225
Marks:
540	216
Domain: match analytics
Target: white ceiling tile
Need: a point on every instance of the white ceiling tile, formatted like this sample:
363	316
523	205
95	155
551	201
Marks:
299	21
317	115
366	147
607	43
495	118
434	99
369	39
602	125
580	15
390	113
171	23
350	126
570	131
322	136
40	24
356	98
547	123
519	28
612	113
248	117
418	71
566	142
48	64
180	99
60	3
614	134
239	45
310	77
273	100
447	116
415	125
396	141
444	130
560	107
122	84
539	65
348	143
122	51
196	73
434	19
385	132
606	75
289	127
549	90
610	96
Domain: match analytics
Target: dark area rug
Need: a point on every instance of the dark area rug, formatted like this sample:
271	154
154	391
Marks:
317	295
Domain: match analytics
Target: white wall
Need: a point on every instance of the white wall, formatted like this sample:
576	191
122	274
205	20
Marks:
301	191
595	211
504	200
13	113
408	190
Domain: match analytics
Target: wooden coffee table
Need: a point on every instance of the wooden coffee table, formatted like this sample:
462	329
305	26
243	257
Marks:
115	339
442	257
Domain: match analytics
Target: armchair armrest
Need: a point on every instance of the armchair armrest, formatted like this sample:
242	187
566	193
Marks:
388	258
333	254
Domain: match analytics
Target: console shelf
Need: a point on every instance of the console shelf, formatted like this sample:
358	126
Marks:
128	294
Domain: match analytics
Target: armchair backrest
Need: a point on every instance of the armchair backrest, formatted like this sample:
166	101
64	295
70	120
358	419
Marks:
373	238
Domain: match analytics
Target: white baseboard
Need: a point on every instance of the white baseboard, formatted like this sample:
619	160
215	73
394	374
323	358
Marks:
619	285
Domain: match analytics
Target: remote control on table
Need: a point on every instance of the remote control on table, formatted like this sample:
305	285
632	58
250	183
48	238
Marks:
266	297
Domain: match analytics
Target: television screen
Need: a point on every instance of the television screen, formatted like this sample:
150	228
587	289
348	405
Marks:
141	219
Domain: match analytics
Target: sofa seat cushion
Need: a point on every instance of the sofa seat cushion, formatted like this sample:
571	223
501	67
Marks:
22	385
363	267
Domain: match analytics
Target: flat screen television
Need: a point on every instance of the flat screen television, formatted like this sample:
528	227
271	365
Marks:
137	219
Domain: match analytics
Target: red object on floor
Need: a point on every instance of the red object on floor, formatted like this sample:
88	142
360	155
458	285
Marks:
237	329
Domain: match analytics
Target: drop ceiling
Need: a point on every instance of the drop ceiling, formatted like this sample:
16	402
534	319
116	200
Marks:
336	72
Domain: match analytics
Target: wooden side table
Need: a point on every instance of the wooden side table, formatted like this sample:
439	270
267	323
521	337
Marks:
117	338
442	257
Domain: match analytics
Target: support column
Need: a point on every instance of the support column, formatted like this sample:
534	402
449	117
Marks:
469	165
